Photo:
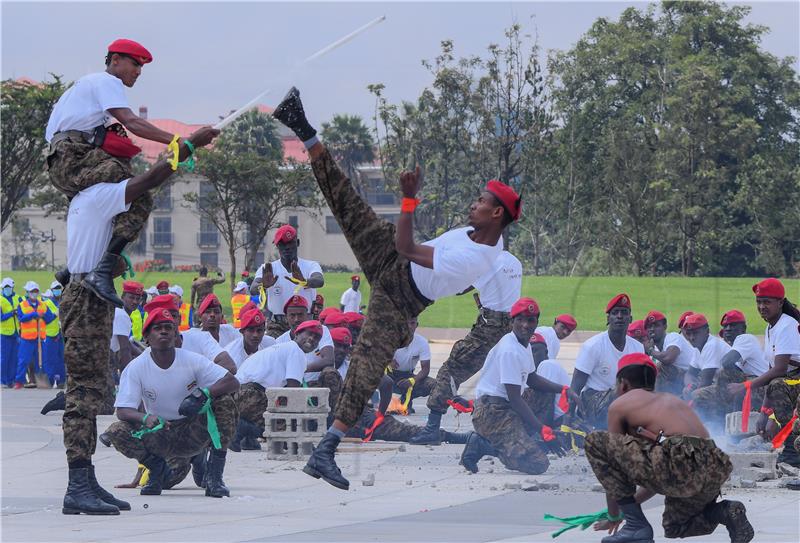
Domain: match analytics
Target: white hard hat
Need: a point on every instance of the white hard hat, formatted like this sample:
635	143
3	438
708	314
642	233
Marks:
176	289
7	282
31	285
56	284
241	285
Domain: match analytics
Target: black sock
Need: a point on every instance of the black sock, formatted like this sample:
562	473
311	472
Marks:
80	464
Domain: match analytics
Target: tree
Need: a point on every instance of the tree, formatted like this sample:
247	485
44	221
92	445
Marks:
349	141
25	109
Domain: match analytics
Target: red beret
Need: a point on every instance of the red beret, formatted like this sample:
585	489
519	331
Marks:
314	326
568	320
636	359
155	317
209	301
325	313
342	335
319	299
245	273
538	338
335	319
162	285
621	300
295	301
654	316
694	321
131	48
133	287
525	306
254	317
354	319
162	301
734	315
682	318
355	278
247	307
636	329
769	288
284	234
507	197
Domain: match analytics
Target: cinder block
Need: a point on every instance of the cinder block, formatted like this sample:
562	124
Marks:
281	448
744	463
733	423
297	400
295	425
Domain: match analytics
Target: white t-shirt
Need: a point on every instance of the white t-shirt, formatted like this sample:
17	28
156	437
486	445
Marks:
457	263
783	338
552	371
752	353
122	327
351	300
502	286
550	339
325	341
83	106
163	390
687	351
598	358
711	355
343	368
508	363
283	289
202	343
273	366
236	348
227	334
89	223
409	356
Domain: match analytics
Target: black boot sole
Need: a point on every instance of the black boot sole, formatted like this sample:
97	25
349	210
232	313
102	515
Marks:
72	511
126	507
741	531
116	302
308	470
219	495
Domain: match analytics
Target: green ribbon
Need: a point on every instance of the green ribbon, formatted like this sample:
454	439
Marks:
138	434
580	521
129	270
213	431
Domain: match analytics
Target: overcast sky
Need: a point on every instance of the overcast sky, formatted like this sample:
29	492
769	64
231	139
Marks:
213	57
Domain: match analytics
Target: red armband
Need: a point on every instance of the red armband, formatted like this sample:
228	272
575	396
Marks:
563	402
547	433
370	432
768	411
746	406
408	205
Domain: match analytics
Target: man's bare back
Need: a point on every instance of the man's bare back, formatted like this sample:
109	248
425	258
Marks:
655	411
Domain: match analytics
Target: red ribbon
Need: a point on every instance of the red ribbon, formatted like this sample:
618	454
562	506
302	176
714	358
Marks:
563	402
369	433
746	406
547	433
778	440
460	407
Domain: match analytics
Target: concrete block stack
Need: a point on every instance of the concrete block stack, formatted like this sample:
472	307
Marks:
296	419
733	423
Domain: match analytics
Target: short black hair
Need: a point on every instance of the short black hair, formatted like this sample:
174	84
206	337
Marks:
507	218
203	270
638	376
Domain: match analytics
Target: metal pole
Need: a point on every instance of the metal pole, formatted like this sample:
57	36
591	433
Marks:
52	249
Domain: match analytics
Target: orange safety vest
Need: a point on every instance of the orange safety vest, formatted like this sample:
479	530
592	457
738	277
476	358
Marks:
28	330
237	303
185	324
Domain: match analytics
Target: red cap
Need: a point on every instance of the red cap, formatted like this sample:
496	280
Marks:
131	48
314	326
155	317
654	316
247	307
354	319
636	359
254	317
162	285
319	299
335	319
342	335
769	288
695	321
162	301
620	300
568	320
355	278
682	318
507	197
284	234
734	315
295	301
209	301
133	287
538	338
636	329
325	313
245	273
525	306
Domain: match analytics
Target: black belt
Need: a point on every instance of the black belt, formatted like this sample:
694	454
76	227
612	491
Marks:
494	400
88	137
414	288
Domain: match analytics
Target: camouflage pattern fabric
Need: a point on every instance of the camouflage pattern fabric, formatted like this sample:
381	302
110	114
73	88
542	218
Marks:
669	379
595	406
421	388
393	299
331	379
688	471
202	287
251	401
467	356
517	449
110	392
276	329
542	404
713	402
784	399
390	429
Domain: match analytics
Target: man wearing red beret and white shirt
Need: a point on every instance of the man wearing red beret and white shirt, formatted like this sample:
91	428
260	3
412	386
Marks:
672	351
597	360
563	326
351	298
712	349
252	336
89	145
286	277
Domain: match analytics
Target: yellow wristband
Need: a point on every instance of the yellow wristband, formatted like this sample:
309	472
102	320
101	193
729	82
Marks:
175	150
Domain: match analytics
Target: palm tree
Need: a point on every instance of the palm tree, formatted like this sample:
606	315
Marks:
349	141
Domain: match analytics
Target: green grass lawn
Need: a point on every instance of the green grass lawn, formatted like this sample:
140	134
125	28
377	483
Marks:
584	297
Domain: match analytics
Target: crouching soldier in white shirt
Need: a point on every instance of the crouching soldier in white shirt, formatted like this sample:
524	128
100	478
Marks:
173	425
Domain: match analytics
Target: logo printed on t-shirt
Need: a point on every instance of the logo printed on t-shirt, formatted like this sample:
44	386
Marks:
149	394
191	385
604	370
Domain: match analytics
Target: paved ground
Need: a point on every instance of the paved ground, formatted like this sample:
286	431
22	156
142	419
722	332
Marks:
420	494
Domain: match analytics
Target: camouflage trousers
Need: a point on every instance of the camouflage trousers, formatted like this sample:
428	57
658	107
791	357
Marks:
468	355
394	298
276	329
421	388
713	402
595	406
183	439
517	449
331	379
784	399
110	392
75	165
251	401
86	322
669	379
390	429
688	471
542	404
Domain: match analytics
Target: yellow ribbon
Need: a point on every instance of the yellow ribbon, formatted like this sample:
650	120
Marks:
792	382
145	475
262	297
175	150
573	432
300	284
407	400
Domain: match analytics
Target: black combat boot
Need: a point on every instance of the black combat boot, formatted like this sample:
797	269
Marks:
199	464
476	448
290	113
215	486
101	280
59	403
80	498
178	470
429	435
732	515
636	528
457	438
62	276
323	462
159	475
104	494
236	443
251	434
